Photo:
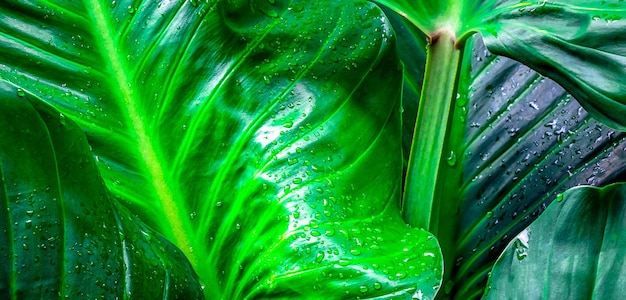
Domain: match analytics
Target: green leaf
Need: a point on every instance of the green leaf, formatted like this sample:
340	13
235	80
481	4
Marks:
262	138
526	141
513	139
575	250
579	44
62	233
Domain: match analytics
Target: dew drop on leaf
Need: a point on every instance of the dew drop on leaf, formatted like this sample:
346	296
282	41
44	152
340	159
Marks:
451	159
319	257
62	119
20	92
355	252
559	198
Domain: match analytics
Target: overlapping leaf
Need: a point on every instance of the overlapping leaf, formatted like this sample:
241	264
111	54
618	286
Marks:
574	250
62	233
579	44
262	137
527	140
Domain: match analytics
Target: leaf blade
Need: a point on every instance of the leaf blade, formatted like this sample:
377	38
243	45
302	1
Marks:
585	228
70	238
578	44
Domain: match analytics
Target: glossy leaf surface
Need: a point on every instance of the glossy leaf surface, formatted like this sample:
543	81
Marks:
526	141
63	235
242	132
579	44
575	250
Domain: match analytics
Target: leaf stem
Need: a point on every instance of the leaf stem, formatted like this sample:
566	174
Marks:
434	116
434	174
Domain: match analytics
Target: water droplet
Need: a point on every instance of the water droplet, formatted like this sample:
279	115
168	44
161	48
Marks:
355	252
238	226
315	233
521	245
20	92
193	215
377	285
363	289
218	203
319	257
62	119
559	198
28	223
451	159
113	4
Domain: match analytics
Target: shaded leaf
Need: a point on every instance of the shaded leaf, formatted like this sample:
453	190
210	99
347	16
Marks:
62	234
575	250
579	44
526	141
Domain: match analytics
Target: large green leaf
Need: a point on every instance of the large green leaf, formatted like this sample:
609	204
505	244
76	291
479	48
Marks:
62	234
526	141
507	140
575	250
578	43
256	136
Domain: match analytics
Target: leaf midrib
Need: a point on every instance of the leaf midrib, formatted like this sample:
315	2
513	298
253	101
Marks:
145	146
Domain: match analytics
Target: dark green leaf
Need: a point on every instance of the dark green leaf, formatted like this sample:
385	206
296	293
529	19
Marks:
579	44
575	250
62	234
526	141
